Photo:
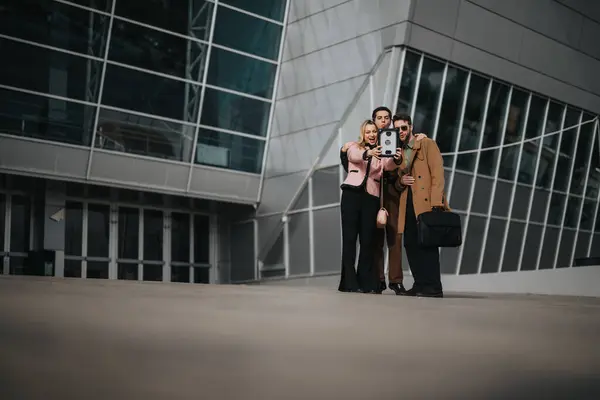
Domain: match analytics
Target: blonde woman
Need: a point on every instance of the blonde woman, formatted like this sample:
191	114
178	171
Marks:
359	207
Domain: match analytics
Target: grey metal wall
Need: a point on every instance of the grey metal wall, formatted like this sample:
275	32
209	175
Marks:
547	46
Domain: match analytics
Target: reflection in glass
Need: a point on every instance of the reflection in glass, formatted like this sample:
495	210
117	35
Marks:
454	93
153	273
2	216
535	124
548	156
184	17
326	186
97	270
127	271
98	230
147	93
557	204
27	115
20	220
588	215
55	24
201	239
496	114
102	5
128	238
72	269
240	73
157	51
180	237
237	113
129	133
248	34
273	9
572	212
593	185
567	144
408	82
487	162
225	150
48	71
73	228
513	134
430	85
153	237
582	154
473	118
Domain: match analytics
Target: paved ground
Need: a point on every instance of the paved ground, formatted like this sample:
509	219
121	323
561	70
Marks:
71	339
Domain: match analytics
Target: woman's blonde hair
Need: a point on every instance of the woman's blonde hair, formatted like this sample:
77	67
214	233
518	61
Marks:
362	141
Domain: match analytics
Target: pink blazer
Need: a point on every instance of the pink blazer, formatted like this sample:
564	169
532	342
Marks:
357	168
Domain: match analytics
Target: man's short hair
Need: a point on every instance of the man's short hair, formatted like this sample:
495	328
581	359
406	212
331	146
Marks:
380	108
402	117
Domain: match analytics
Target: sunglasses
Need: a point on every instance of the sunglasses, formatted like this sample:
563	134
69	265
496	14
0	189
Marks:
404	128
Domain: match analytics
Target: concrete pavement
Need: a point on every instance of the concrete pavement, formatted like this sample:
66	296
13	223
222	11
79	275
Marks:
87	339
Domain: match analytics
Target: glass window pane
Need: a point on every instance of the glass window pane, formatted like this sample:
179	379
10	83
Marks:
73	228
535	120
326	186
180	237
582	155
482	195
44	118
129	233
429	92
557	206
157	51
532	246
102	5
55	24
201	275
72	269
572	212
97	270
127	272
515	124
547	159
588	215
273	9
240	73
454	93
153	236
225	150
299	244
496	114
565	248
48	71
407	85
201	239
493	247
98	230
147	93
152	273
488	161
245	33
237	113
567	144
2	220
593	185
129	133
550	244
180	274
473	240
512	250
184	17
473	119
20	220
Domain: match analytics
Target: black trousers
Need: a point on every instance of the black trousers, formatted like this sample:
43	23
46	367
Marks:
424	262
359	219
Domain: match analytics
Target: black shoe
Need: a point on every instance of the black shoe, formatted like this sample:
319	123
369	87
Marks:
410	292
382	287
398	288
429	293
350	290
371	291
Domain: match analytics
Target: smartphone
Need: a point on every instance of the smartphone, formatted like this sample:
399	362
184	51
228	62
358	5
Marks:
389	140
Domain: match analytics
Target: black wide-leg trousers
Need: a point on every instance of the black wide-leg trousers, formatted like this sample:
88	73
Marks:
359	220
424	262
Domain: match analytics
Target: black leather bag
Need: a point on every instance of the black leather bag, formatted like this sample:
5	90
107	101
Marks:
439	229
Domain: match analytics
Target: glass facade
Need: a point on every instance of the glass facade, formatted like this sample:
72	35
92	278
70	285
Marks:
522	170
191	81
106	233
